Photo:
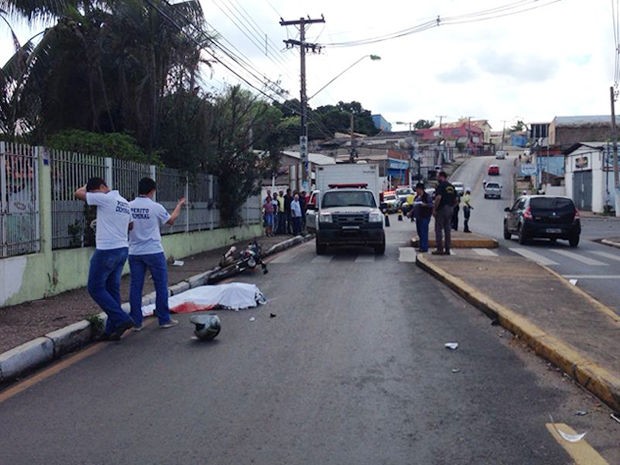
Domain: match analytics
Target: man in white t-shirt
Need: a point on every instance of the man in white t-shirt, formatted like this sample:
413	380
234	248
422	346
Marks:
147	253
106	264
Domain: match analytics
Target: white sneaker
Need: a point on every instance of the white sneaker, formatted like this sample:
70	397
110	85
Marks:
170	324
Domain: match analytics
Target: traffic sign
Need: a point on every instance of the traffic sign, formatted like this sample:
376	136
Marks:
528	169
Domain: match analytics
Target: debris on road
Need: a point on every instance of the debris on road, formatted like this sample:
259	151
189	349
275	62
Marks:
451	345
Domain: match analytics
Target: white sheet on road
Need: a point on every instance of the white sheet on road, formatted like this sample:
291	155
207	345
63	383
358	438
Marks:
234	296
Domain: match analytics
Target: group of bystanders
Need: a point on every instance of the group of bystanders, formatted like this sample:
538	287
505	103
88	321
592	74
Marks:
284	213
444	207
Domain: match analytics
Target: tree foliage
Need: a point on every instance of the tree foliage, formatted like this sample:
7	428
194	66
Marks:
104	67
120	146
424	124
242	147
519	126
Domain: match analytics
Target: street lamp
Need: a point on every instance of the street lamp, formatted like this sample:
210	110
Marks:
372	57
303	139
410	123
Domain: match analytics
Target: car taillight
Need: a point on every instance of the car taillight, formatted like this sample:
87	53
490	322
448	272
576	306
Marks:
576	215
527	213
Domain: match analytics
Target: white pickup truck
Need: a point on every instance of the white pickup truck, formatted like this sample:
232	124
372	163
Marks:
492	190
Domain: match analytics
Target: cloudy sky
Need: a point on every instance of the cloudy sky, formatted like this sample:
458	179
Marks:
500	60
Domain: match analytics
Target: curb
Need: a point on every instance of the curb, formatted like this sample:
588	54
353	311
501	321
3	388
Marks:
482	243
597	380
45	349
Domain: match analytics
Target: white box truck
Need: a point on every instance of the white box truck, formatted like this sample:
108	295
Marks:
349	173
344	210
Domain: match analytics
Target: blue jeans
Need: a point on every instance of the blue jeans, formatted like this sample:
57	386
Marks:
104	284
421	224
156	264
296	225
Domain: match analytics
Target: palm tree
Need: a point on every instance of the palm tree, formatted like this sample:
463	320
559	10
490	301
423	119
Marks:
104	66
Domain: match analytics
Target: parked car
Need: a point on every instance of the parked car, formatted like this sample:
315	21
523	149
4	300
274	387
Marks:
552	217
459	187
391	201
493	170
403	192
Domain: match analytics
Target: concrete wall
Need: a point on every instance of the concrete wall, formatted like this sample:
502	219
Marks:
35	276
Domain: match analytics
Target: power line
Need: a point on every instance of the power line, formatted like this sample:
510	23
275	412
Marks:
241	21
483	15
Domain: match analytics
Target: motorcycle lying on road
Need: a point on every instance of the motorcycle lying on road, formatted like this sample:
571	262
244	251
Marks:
234	262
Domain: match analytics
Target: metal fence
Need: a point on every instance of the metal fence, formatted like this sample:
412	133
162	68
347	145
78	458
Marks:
72	219
19	206
68	171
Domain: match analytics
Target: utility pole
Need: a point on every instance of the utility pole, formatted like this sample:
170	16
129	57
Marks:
303	46
440	161
614	141
503	135
470	142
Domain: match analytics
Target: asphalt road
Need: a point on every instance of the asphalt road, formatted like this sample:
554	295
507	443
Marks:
345	364
594	266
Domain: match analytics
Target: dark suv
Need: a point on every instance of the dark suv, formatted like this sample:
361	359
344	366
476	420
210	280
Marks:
543	216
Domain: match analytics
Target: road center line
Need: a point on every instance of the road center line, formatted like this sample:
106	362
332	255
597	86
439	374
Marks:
51	371
406	254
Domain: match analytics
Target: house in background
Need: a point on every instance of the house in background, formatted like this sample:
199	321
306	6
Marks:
589	175
461	136
381	123
566	165
486	128
564	131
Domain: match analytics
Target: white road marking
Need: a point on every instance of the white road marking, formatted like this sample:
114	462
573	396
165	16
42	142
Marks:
592	276
607	255
406	254
580	258
533	256
485	252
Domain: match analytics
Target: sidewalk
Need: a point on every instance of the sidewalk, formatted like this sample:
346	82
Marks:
559	321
